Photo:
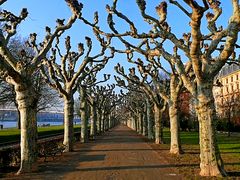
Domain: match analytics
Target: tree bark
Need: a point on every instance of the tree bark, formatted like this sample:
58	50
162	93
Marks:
211	163
18	119
93	120
158	124
145	124
140	121
99	122
109	121
149	121
103	121
137	123
175	145
27	105
68	123
83	112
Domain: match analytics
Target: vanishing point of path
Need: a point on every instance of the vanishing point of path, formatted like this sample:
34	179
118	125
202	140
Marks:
120	154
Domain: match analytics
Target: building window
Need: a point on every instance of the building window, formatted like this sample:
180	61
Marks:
236	76
232	79
226	80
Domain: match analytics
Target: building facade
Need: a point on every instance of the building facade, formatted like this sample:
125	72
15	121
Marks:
227	91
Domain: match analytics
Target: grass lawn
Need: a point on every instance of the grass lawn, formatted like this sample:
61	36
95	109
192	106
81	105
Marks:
13	134
188	163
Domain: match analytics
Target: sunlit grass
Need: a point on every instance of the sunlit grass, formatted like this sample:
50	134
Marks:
229	148
13	134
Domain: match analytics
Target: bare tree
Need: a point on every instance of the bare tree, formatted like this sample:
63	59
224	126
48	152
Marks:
18	72
156	92
206	53
87	100
66	78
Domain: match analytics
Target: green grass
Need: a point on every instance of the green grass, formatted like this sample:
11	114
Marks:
13	134
192	138
229	148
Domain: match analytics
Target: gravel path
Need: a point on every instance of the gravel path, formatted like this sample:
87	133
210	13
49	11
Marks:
121	154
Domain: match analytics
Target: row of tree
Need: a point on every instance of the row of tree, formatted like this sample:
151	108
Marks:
194	61
36	63
205	55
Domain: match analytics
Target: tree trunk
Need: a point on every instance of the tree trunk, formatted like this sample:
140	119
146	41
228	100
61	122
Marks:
144	124
137	123
83	112
134	123
229	122
140	121
103	121
158	124
93	120
68	123
18	116
18	119
109	121
27	106
211	163
149	121
99	121
175	147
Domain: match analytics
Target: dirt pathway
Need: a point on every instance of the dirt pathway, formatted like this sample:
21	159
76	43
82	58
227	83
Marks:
120	154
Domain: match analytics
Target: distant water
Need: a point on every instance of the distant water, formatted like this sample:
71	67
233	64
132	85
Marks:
13	124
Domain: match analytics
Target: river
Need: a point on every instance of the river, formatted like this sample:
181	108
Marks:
13	124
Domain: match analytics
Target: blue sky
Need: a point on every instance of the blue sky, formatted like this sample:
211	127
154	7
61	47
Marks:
45	12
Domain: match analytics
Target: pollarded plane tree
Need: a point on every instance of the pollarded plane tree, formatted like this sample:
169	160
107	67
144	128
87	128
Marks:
46	96
175	82
205	67
154	91
92	99
98	95
206	62
133	101
133	115
19	73
126	112
97	101
149	54
171	97
137	107
105	93
67	76
148	47
87	100
113	100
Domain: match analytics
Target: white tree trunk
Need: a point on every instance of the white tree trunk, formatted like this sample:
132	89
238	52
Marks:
68	124
140	121
93	120
109	121
103	121
144	124
99	124
149	121
158	125
211	163
83	112
175	147
27	105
